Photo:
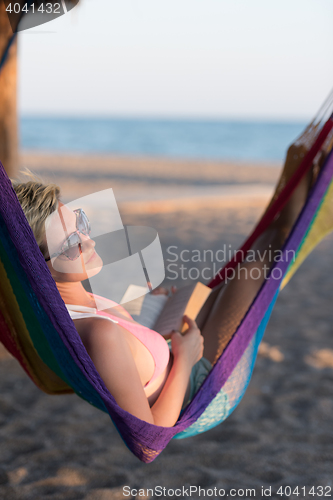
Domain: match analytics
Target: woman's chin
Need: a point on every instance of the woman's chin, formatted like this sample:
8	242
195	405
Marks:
94	266
74	272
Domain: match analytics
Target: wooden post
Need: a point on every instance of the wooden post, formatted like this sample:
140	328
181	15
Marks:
8	99
9	156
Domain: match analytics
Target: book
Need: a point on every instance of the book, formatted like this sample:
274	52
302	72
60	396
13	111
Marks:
162	313
145	308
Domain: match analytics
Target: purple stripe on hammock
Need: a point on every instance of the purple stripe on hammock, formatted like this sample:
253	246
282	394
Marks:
134	431
233	352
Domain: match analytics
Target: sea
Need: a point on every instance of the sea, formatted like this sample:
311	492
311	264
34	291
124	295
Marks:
253	141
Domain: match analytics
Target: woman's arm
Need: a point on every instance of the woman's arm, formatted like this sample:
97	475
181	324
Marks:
187	349
114	361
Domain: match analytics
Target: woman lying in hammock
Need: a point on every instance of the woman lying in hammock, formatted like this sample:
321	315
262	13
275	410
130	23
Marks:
135	362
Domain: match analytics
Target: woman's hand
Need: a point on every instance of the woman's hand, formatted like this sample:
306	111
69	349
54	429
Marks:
189	345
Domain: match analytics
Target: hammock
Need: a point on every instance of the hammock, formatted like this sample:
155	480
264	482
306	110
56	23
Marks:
37	330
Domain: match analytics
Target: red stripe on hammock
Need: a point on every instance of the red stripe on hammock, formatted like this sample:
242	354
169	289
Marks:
277	206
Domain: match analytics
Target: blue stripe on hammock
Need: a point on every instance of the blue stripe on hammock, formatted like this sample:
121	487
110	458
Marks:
145	440
220	408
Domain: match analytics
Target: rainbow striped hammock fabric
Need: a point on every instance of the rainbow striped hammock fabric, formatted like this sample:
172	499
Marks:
37	330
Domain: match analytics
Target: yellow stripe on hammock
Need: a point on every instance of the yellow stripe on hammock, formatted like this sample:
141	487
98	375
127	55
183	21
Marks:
322	226
41	374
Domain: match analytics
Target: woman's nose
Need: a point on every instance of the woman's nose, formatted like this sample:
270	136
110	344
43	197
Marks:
87	241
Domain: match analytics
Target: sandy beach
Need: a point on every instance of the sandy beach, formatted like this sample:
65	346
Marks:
281	433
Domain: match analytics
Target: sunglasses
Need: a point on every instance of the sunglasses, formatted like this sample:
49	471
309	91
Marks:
71	248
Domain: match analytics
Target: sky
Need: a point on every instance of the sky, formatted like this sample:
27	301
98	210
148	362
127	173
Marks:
239	59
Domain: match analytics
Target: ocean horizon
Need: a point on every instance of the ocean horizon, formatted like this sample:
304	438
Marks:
200	139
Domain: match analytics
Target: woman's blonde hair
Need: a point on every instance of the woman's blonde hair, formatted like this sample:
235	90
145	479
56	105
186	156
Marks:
38	201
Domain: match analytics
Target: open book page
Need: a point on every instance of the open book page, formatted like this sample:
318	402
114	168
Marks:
162	313
187	300
145	309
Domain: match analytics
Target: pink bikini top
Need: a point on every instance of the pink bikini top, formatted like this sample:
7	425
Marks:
153	341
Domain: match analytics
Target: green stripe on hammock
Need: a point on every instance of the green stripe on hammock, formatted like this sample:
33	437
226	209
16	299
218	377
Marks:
31	321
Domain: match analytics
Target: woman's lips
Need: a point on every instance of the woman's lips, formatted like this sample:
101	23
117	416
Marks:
91	258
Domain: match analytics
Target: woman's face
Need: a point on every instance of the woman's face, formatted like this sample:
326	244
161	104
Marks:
62	223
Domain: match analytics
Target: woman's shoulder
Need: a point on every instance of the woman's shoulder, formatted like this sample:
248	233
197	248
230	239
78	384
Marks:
96	328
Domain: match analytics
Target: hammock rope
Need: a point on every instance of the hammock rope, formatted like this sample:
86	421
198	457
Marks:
37	329
278	204
4	56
